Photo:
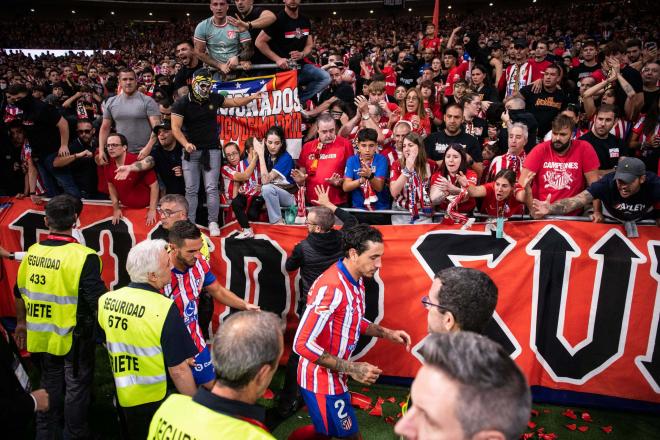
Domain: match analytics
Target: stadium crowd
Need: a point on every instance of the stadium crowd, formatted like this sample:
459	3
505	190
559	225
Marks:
523	111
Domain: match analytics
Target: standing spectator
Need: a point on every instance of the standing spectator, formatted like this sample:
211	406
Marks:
246	350
453	400
195	126
539	61
84	104
548	102
608	147
481	85
190	63
290	38
275	167
80	161
651	83
48	134
151	344
515	111
518	74
364	178
399	133
430	41
413	111
59	325
225	43
588	65
323	161
138	190
436	143
134	115
431	105
410	182
252	19
472	123
445	182
499	195
562	167
646	137
515	155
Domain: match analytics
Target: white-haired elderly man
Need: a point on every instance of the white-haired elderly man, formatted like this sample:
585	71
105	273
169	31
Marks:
146	338
514	157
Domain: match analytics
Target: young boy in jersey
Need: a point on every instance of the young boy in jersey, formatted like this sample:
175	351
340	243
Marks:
330	329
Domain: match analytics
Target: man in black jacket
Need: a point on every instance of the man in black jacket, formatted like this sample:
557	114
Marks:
313	256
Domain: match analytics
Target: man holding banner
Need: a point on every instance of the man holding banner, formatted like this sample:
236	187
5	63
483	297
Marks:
290	38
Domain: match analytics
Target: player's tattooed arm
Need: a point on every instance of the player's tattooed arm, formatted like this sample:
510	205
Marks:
361	371
396	336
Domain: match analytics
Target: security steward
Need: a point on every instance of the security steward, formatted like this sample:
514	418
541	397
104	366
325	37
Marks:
145	338
246	351
58	287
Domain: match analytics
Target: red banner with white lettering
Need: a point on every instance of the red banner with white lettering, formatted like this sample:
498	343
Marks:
578	308
279	107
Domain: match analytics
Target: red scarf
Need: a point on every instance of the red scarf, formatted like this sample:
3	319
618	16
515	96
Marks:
452	209
315	160
418	190
370	196
301	214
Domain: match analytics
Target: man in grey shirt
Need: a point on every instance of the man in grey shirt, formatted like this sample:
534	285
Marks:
134	115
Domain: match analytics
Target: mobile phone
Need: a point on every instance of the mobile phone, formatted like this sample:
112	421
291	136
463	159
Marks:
650	45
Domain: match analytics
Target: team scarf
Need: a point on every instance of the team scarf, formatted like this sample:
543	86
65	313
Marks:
316	155
418	195
452	209
370	196
301	213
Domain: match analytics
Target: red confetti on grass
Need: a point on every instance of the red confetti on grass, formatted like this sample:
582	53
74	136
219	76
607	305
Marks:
390	420
528	435
402	404
360	400
377	410
586	417
583	428
535	413
531	425
571	426
606	429
269	395
390	399
365	389
548	436
546	411
570	414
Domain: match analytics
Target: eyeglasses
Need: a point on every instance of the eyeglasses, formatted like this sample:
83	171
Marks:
113	145
426	301
235	153
84	131
166	212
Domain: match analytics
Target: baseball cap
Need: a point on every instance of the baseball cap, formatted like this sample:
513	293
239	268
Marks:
520	42
165	125
629	169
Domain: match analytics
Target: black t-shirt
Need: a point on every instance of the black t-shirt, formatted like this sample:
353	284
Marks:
609	150
13	178
650	99
436	144
184	76
408	76
544	105
639	206
634	78
40	124
200	123
84	170
582	71
164	162
288	34
255	13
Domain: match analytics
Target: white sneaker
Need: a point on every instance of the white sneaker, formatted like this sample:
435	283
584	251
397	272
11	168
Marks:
214	229
247	233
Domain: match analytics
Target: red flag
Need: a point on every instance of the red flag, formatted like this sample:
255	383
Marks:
436	17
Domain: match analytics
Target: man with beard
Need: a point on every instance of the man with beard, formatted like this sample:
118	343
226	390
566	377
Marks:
608	147
650	81
629	194
562	167
325	342
189	64
545	104
190	274
46	129
80	162
436	143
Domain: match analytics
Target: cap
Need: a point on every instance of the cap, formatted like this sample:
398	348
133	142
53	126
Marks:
520	42
165	125
629	168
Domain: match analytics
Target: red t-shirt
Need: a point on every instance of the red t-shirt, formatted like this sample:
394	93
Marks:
424	127
560	176
538	67
506	208
454	75
432	43
332	160
134	191
465	206
390	80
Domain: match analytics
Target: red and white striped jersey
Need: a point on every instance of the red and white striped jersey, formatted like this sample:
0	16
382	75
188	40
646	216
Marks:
229	185
184	289
332	323
251	186
506	161
523	75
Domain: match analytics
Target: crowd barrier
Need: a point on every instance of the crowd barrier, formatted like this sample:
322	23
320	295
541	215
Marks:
578	309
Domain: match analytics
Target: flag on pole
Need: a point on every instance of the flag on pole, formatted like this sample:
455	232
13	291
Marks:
436	17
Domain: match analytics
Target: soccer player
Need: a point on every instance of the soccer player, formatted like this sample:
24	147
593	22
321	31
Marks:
190	273
330	329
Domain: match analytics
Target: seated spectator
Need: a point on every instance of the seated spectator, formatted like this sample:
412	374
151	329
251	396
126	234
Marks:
322	162
629	194
364	178
499	194
242	185
646	137
137	190
445	184
410	183
413	111
608	147
514	156
275	167
454	401
80	161
562	167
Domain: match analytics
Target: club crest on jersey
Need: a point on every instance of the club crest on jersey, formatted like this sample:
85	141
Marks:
299	33
231	35
321	310
347	423
190	309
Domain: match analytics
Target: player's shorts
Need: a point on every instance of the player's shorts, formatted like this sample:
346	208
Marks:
331	415
203	370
